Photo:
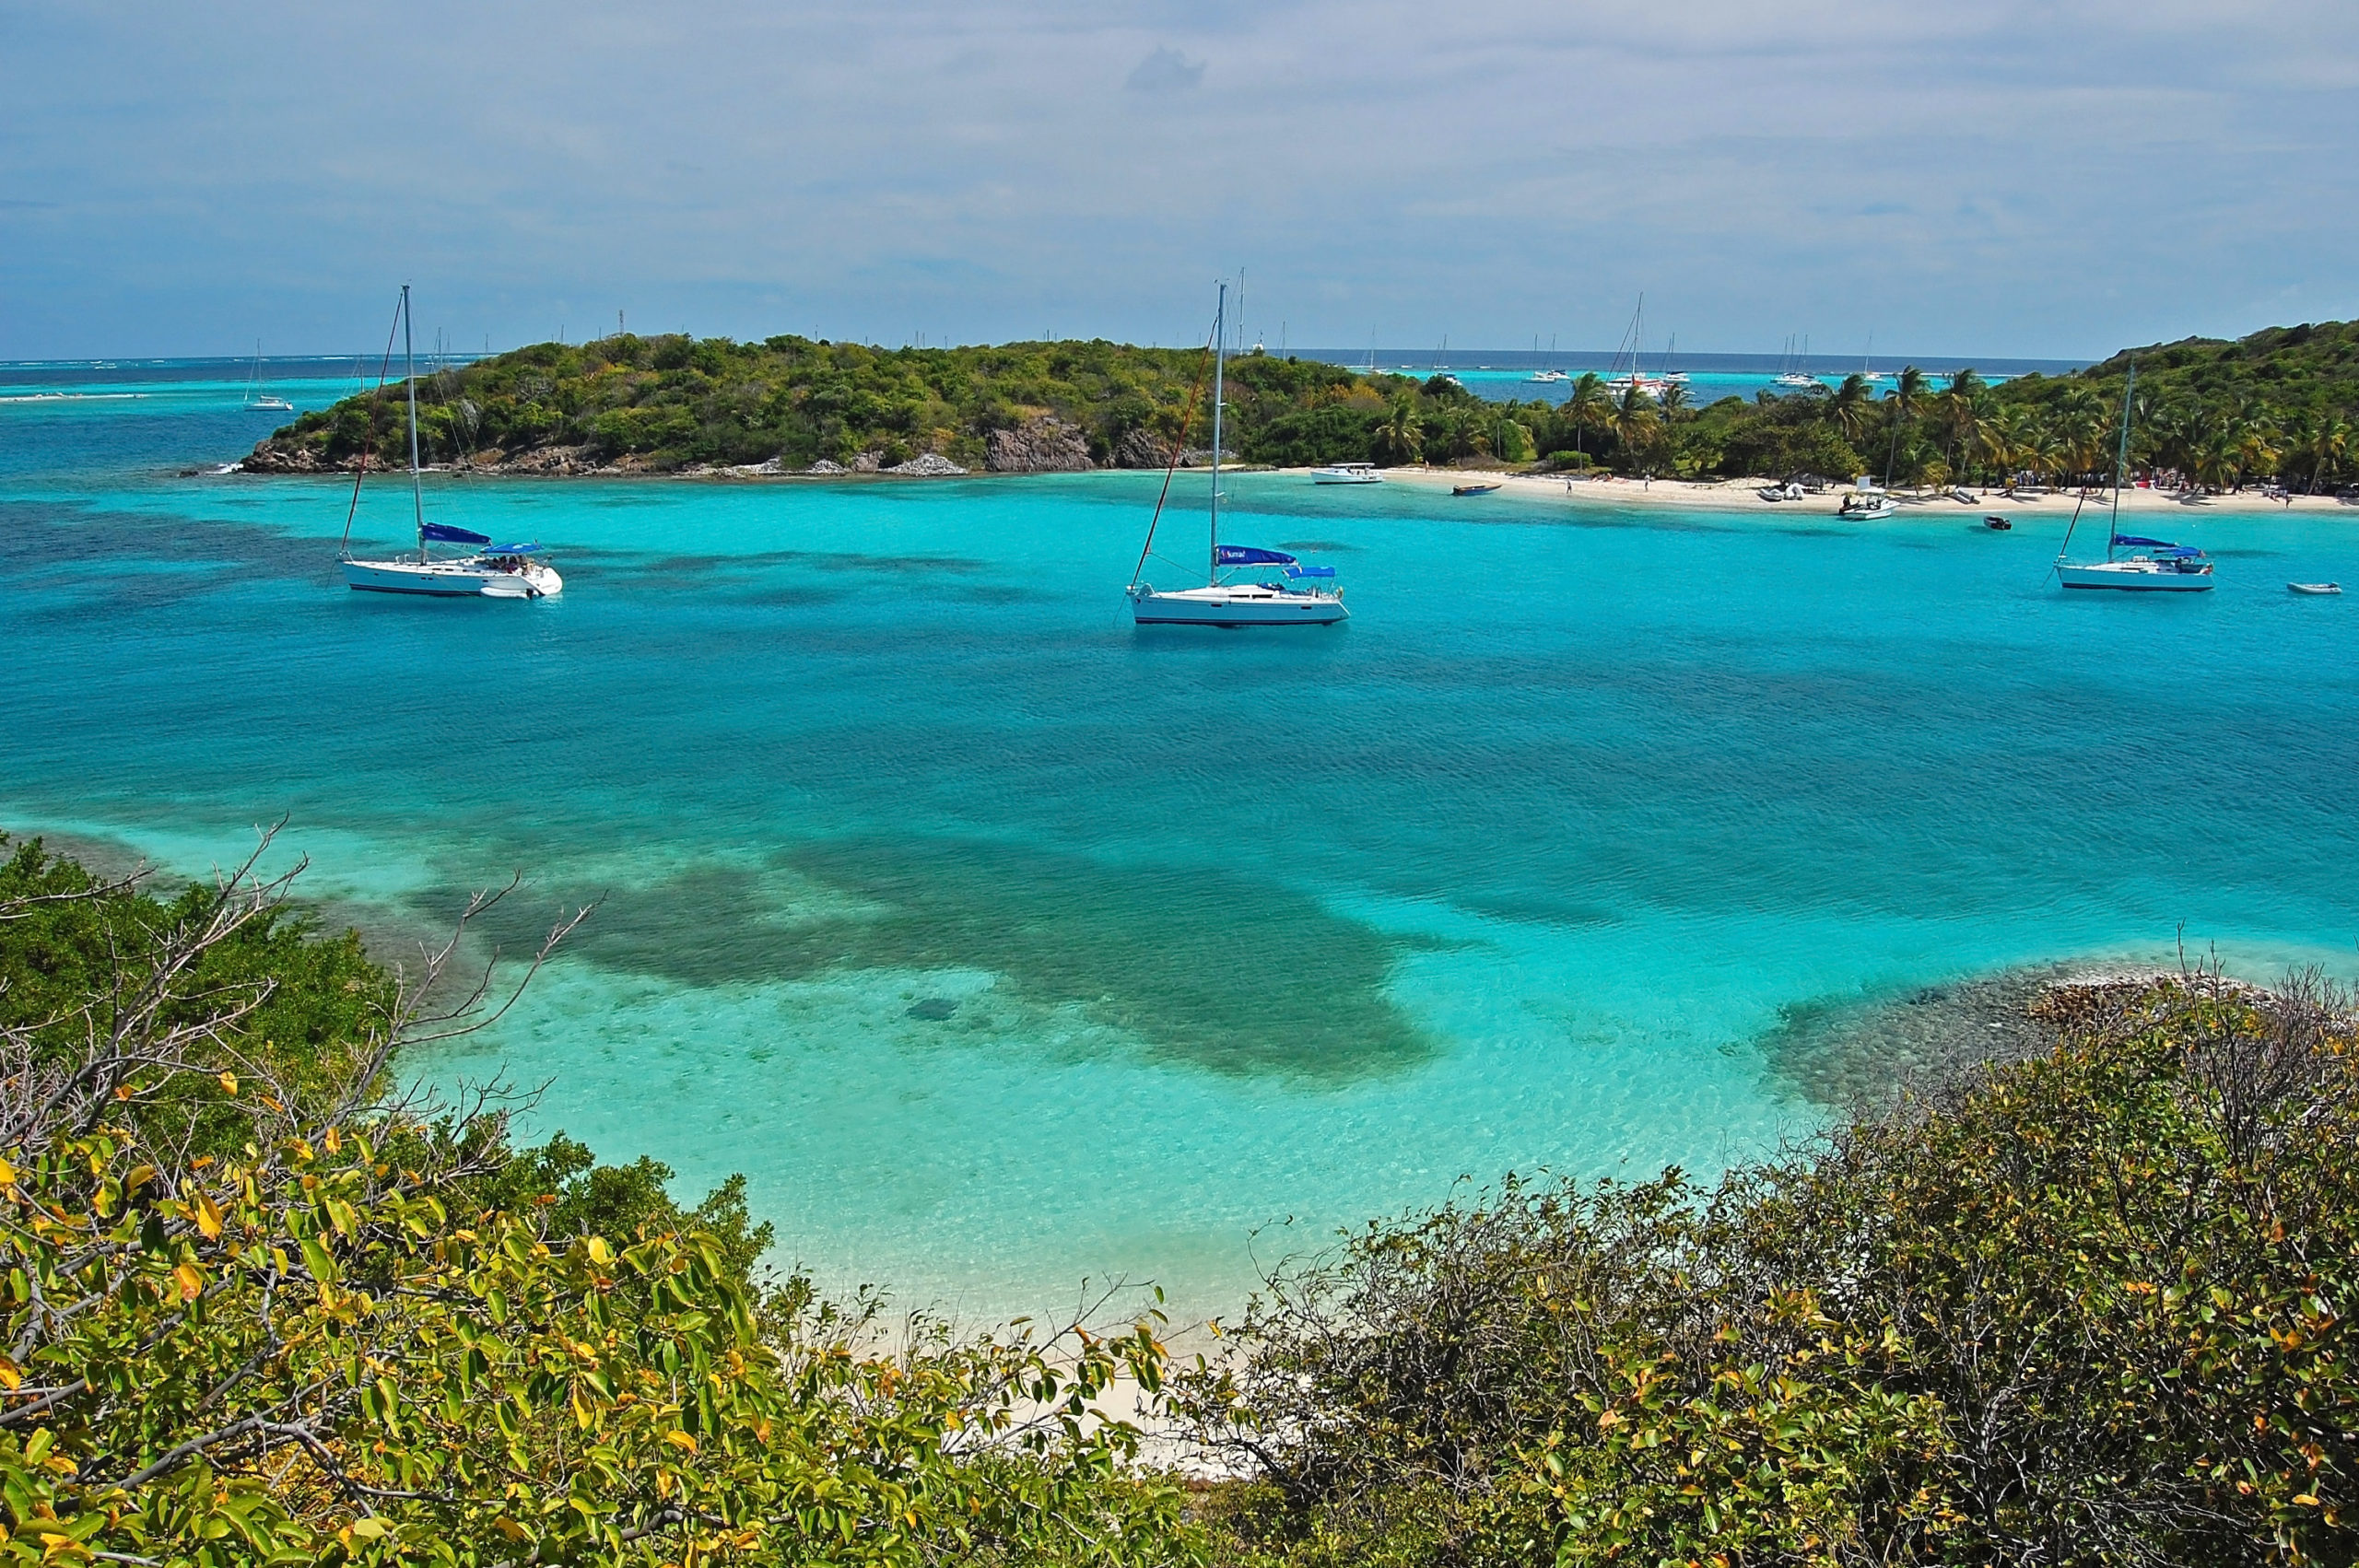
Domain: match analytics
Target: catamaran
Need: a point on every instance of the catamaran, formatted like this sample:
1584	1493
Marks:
494	571
1299	600
2158	565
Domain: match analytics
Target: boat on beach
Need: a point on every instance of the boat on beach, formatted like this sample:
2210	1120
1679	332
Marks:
1866	506
1347	474
1483	489
1298	595
493	571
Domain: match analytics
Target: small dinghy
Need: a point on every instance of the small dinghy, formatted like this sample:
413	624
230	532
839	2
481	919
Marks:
1996	524
1472	490
2316	587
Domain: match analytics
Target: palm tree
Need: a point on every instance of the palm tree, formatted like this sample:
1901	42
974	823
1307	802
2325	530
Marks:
1901	407
1962	412
1588	405
2082	423
1853	405
1511	437
2328	443
1634	420
1403	434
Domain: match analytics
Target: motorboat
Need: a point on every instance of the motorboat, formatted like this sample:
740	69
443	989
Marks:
493	571
1297	595
1866	506
2315	587
1347	474
1481	489
1996	524
2156	566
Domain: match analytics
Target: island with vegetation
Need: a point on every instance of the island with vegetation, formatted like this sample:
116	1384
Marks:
2089	1305
2279	406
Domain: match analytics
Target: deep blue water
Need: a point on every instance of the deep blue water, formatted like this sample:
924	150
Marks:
1001	943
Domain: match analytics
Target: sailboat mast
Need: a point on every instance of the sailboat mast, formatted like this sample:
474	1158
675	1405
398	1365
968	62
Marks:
409	374
2120	460
1220	353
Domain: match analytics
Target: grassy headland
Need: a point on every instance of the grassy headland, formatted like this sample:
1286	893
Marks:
2280	404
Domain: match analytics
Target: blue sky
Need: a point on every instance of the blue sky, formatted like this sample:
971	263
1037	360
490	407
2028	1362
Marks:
2007	178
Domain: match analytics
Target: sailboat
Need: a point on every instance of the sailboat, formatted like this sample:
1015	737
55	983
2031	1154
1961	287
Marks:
2158	565
1297	600
1791	372
1622	380
494	571
257	399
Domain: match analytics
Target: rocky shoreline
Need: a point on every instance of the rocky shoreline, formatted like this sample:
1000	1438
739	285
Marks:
1042	445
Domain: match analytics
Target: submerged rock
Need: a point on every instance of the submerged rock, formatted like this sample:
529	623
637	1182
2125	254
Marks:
933	1009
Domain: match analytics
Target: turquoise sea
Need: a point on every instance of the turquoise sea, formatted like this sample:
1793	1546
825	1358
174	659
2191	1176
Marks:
1003	944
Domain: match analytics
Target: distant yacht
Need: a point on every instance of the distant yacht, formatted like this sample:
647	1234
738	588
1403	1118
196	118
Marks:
258	399
1789	371
1347	474
2158	566
494	571
1621	377
1297	600
1549	376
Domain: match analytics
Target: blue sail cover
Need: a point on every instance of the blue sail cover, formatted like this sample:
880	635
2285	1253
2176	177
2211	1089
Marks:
2139	541
450	535
1247	555
513	550
1310	571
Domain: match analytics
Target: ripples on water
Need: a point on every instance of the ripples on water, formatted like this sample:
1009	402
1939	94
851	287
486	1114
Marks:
1001	943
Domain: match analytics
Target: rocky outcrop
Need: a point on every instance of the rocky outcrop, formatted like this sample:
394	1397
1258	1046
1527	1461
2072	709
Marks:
826	465
927	465
288	457
1142	448
867	462
1042	445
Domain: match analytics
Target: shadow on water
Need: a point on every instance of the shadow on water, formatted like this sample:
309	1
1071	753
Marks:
1207	969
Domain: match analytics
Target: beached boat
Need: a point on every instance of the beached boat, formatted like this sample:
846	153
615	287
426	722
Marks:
1476	489
259	398
1789	491
2158	565
1298	600
1347	474
493	571
2315	587
1866	506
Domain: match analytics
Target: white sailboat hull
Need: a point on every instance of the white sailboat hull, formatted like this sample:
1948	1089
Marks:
1240	604
452	579
2137	575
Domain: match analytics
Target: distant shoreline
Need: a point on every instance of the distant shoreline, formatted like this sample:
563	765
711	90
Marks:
1717	495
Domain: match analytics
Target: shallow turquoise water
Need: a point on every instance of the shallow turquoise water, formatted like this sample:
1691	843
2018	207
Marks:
1202	932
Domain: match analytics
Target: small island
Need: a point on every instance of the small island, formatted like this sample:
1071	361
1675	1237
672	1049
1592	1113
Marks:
2276	406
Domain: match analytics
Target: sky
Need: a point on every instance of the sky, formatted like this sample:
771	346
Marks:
2011	178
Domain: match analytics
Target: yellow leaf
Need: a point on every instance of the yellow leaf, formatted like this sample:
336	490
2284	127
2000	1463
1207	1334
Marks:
7	1174
192	1283
207	1216
681	1440
229	1083
334	1142
9	1375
